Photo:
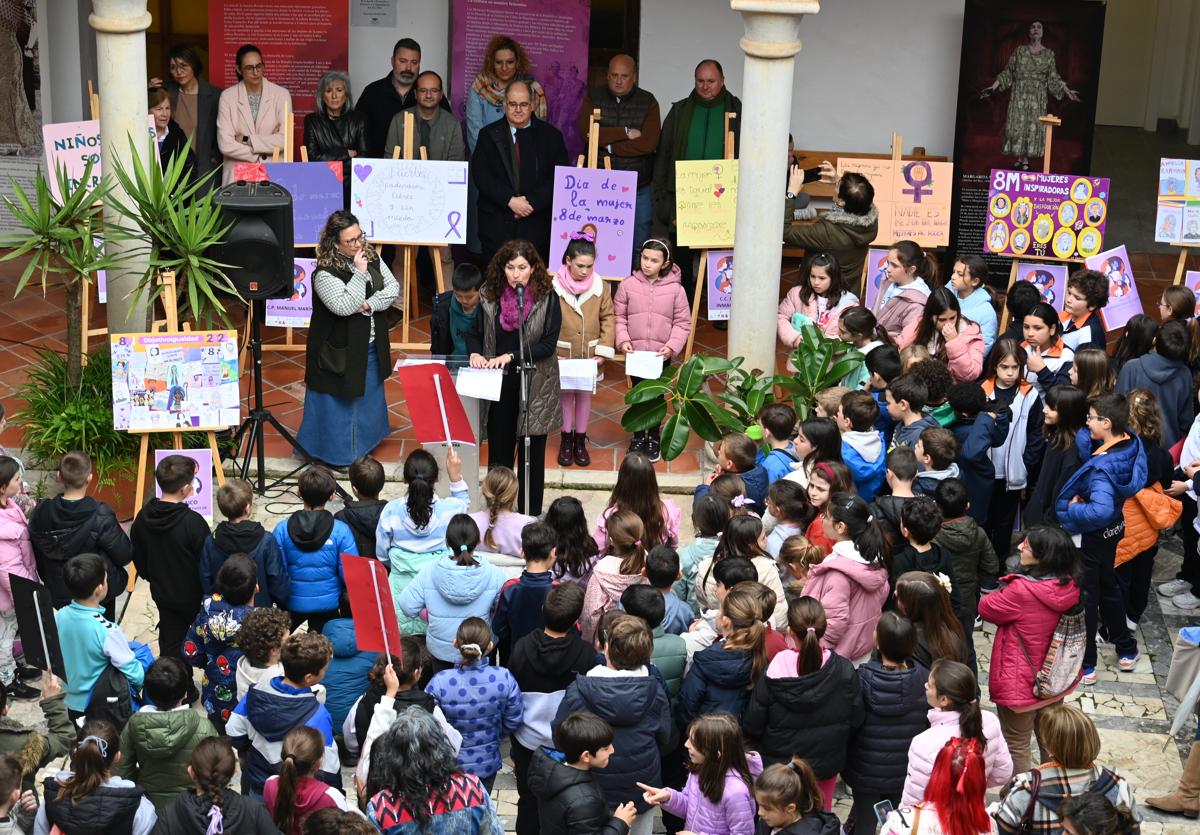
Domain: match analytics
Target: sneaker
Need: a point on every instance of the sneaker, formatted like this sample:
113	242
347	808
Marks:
978	622
28	673
20	690
652	447
638	442
1174	587
1127	663
1089	676
1187	600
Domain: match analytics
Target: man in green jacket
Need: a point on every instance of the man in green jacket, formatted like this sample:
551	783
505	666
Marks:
34	749
845	231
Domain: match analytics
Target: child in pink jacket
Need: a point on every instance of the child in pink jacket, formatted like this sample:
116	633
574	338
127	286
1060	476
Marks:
948	335
652	315
852	582
16	557
903	293
820	297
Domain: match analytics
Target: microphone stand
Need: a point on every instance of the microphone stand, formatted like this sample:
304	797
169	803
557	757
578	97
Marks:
525	367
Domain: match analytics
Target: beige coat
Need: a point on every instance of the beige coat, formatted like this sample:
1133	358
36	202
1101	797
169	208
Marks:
588	322
266	133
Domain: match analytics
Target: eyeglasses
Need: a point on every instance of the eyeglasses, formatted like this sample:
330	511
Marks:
179	66
253	68
357	239
518	105
1091	418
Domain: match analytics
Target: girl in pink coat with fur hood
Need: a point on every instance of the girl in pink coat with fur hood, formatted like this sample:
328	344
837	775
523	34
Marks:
16	557
852	582
950	337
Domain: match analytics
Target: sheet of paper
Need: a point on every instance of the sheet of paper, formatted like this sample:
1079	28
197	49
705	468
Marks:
645	364
480	383
577	375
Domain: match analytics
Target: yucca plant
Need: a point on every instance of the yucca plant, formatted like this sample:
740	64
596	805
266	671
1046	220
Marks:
59	238
177	218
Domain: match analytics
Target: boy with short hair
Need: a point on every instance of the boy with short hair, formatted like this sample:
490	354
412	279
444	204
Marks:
1164	373
976	431
883	366
454	313
264	715
18	808
261	641
662	570
778	421
313	542
862	443
670	651
828	400
736	453
1090	508
362	513
544	663
905	397
919	523
569	799
212	640
901	472
1087	292
168	538
239	534
935	375
971	553
519	605
936	450
157	741
727	573
89	641
75	523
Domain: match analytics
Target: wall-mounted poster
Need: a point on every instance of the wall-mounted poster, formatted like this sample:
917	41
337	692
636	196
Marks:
720	284
1047	215
167	381
295	312
1021	59
1124	302
913	198
596	204
1050	279
1178	217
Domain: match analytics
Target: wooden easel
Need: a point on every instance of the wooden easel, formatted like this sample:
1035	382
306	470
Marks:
171	307
85	312
702	286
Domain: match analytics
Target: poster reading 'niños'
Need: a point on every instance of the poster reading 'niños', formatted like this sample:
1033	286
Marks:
1047	215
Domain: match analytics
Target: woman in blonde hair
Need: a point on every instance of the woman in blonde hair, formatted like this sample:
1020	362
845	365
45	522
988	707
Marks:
499	524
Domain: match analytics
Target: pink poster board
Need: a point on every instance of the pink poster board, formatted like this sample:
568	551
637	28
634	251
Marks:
1123	300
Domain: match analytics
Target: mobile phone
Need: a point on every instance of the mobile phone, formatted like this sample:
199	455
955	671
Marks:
882	809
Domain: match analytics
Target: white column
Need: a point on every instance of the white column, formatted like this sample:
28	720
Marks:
771	42
121	83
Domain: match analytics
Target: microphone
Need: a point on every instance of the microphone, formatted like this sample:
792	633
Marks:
520	297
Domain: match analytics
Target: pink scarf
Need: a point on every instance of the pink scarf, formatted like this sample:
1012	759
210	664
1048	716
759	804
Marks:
575	286
508	307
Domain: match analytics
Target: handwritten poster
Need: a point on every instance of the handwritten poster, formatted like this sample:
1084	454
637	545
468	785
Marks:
410	201
295	312
167	381
1050	279
597	203
1123	300
1047	215
316	189
913	198
706	200
1178	217
876	272
73	145
201	499
720	284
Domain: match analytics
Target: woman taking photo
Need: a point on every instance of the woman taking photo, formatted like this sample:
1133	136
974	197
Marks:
251	114
194	106
495	343
335	130
504	61
348	358
1026	608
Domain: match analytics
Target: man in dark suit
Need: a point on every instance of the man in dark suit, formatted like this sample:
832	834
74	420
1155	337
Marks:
513	169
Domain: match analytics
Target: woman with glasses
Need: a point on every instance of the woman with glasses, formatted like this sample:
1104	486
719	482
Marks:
251	114
194	105
348	355
335	130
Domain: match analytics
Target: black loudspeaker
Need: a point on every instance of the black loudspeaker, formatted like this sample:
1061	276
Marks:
259	249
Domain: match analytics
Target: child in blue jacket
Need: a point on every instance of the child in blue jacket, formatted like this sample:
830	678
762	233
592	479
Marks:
778	421
212	641
862	444
977	433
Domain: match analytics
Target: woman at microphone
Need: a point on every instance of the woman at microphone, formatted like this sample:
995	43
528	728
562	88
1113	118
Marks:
516	289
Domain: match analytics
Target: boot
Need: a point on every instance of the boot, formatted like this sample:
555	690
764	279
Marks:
652	444
565	446
1186	798
638	444
582	458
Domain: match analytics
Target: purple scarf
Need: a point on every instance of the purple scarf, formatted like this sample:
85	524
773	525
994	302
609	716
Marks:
508	307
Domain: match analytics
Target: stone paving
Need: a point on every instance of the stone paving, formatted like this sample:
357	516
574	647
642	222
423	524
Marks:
1131	710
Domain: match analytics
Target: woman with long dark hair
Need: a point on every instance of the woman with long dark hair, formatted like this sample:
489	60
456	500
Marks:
516	289
348	355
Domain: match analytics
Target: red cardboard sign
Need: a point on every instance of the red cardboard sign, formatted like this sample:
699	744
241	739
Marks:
434	404
375	626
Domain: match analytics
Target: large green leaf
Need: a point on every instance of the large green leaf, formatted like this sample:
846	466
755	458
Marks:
702	423
647	390
642	416
723	417
675	436
691	377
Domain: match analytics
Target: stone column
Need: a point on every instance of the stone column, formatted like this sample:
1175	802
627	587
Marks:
121	81
771	42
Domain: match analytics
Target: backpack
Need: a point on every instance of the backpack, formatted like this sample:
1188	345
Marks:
1064	656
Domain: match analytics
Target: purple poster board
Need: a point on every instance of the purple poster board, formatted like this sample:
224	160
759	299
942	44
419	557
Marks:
1192	280
553	33
201	499
1050	279
719	277
316	189
876	273
1123	300
295	312
1047	215
593	201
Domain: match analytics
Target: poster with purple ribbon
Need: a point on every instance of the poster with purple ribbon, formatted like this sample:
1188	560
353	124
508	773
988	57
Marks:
553	33
295	312
402	201
719	277
1050	279
201	499
1123	300
595	204
316	189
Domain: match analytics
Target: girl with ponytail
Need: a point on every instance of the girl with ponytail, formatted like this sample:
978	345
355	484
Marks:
88	797
295	793
858	326
852	582
954	800
808	703
723	673
743	537
412	529
621	567
791	803
954	696
902	296
457	585
499	524
213	807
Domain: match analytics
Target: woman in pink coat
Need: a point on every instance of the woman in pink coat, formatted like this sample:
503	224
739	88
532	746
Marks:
852	582
951	691
819	298
1026	608
949	336
16	557
251	115
902	294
